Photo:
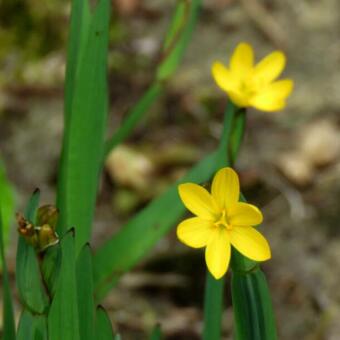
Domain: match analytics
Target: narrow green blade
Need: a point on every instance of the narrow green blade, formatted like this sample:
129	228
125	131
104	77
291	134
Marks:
176	42
28	277
179	36
32	206
50	268
86	308
103	325
7	203
213	307
32	327
83	143
79	26
8	316
156	333
230	143
138	236
253	313
63	314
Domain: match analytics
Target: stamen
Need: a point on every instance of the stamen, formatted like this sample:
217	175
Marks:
223	222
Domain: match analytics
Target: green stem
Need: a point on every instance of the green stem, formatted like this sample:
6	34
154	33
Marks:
213	307
253	313
237	134
230	142
176	42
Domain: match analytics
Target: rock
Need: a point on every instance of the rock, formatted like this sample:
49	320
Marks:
296	168
320	143
127	7
129	168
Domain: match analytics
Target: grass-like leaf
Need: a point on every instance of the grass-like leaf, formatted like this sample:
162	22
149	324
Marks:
7	203
85	120
176	42
178	38
79	26
142	232
28	277
50	267
85	294
156	333
147	227
63	321
8	316
213	307
32	206
253	313
32	326
103	326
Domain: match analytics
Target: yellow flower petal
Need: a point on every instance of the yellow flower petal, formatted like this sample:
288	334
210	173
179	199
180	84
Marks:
244	214
272	98
195	232
270	67
217	253
198	200
225	188
239	99
242	60
249	242
224	78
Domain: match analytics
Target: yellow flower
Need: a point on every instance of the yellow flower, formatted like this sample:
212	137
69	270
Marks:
222	221
253	85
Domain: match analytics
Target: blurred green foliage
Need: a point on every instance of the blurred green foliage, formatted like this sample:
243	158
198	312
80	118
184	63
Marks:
31	28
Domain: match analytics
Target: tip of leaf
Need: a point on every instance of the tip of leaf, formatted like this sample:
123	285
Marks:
87	246
100	307
71	231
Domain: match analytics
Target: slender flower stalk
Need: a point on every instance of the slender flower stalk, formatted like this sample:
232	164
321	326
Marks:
222	221
250	85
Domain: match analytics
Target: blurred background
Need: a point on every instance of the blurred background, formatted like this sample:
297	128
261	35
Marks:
289	164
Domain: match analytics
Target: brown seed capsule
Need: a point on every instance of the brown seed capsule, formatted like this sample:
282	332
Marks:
47	214
25	228
47	237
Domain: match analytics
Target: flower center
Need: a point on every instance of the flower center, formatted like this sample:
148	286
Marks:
223	221
248	88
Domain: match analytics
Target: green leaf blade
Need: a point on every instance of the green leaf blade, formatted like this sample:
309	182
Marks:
32	327
8	315
7	204
144	230
175	44
28	276
79	25
103	325
85	294
32	206
179	36
213	307
156	333
83	143
253	313
63	322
